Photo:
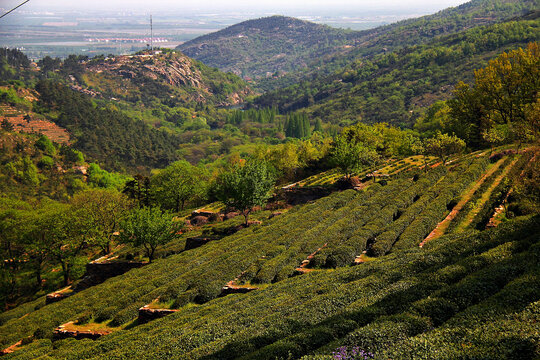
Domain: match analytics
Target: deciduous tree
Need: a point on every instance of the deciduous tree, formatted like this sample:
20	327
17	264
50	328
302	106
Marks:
443	146
149	228
245	187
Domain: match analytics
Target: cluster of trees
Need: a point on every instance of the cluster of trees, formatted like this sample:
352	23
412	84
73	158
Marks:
394	87
37	237
262	116
502	106
256	55
51	234
123	143
297	126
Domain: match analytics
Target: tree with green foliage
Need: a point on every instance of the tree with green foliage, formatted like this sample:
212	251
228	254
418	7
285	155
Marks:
104	179
504	93
178	184
495	135
351	156
13	224
318	126
297	125
46	145
443	146
29	172
104	210
71	155
62	231
245	186
139	189
149	228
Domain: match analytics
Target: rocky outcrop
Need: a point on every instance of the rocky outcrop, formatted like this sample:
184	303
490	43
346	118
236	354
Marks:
147	314
273	215
199	221
235	289
56	296
301	195
195	242
97	272
65	332
354	182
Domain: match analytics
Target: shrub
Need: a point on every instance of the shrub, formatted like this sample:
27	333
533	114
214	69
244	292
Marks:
46	162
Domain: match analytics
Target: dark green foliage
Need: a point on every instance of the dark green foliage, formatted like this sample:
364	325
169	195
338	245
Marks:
392	87
251	48
245	186
437	208
113	145
45	145
383	304
13	64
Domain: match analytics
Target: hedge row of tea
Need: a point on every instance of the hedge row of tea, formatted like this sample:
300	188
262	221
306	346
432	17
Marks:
462	295
406	216
195	275
447	195
371	220
269	253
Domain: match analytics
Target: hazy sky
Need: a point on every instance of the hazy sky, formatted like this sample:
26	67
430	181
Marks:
278	6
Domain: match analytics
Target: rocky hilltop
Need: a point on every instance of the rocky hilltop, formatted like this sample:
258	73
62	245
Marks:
165	75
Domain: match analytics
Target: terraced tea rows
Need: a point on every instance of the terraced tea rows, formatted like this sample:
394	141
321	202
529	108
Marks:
392	306
23	123
333	231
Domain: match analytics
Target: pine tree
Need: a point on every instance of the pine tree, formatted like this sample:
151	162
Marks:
318	126
307	126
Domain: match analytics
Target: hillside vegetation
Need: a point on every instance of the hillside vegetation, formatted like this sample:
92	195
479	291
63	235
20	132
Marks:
266	46
290	229
397	87
279	51
408	299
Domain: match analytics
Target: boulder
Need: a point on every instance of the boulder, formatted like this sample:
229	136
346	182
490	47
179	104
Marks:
195	242
204	213
273	215
146	314
199	221
349	183
230	215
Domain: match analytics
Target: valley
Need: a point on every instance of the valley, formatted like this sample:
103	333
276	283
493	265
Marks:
274	188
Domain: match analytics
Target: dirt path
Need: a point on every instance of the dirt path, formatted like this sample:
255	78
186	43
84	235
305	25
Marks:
443	225
496	217
485	196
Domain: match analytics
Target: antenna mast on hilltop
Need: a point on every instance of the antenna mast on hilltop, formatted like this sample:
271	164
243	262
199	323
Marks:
151	35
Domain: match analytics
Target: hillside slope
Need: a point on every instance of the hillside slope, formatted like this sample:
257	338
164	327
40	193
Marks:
264	46
278	45
397	86
401	305
169	76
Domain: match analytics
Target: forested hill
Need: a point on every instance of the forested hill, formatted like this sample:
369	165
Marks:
398	86
268	45
408	33
290	49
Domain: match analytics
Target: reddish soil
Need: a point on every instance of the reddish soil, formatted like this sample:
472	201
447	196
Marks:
443	225
11	349
48	128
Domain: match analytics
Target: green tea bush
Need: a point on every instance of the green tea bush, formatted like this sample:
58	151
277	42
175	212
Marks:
452	186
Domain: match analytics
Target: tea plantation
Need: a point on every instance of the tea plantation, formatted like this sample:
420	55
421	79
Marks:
462	293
